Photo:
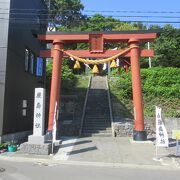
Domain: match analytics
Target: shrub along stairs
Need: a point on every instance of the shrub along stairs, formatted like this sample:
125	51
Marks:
97	114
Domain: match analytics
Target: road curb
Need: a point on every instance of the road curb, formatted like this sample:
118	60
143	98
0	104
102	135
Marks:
51	162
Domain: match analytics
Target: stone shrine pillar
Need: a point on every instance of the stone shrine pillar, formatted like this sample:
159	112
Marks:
36	142
39	113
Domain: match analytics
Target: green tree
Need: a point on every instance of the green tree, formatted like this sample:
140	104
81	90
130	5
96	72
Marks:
167	47
66	12
99	22
139	26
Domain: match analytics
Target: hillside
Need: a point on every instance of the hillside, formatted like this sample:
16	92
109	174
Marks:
160	87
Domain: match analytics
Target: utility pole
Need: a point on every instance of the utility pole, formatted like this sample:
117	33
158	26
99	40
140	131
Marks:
148	44
49	5
149	57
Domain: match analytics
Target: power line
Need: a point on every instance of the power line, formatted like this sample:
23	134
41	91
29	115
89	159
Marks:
152	12
50	19
130	21
89	15
100	11
168	17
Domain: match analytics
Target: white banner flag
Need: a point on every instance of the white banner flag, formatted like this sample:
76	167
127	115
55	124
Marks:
54	124
104	66
117	62
161	132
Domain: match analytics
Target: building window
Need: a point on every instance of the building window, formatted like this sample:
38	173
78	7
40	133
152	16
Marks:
39	67
26	60
32	61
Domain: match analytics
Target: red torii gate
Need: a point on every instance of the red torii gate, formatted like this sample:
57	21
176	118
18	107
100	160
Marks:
96	41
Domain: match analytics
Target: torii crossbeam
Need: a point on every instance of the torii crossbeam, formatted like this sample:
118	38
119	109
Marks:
96	42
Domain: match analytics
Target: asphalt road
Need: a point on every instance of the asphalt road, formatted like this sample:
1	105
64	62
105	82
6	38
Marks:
39	171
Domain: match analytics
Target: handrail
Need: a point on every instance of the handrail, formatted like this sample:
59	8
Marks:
85	104
110	108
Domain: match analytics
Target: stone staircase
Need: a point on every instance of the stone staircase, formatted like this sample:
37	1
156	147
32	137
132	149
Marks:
97	115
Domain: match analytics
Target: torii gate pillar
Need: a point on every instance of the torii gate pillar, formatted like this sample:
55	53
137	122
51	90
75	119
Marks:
55	83
139	134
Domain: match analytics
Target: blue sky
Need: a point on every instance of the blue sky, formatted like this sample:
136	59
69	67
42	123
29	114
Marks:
136	5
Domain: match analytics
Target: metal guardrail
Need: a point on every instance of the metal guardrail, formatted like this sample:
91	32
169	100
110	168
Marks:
110	108
85	104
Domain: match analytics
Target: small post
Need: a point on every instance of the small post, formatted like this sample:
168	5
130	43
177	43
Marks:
176	135
156	157
177	147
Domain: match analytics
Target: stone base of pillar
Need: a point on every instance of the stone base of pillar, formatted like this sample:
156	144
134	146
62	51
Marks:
37	149
36	145
139	135
36	139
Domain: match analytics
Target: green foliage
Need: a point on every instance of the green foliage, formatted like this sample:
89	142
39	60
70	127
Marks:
160	86
67	13
164	82
66	72
167	47
3	146
99	23
67	77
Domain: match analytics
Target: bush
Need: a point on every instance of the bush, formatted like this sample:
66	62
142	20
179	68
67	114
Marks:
67	77
160	86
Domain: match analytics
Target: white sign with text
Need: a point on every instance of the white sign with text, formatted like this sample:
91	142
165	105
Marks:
161	132
39	112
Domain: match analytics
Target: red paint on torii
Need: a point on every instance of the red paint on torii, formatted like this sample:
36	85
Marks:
96	41
108	37
88	54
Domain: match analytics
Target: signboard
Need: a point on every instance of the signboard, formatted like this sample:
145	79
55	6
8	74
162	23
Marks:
96	43
176	134
39	111
161	132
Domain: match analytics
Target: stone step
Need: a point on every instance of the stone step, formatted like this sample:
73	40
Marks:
96	114
100	116
103	98
106	128
97	120
98	111
97	134
94	108
96	127
90	116
97	117
98	124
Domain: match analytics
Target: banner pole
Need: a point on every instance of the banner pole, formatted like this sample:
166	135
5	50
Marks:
52	148
54	129
177	147
156	151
